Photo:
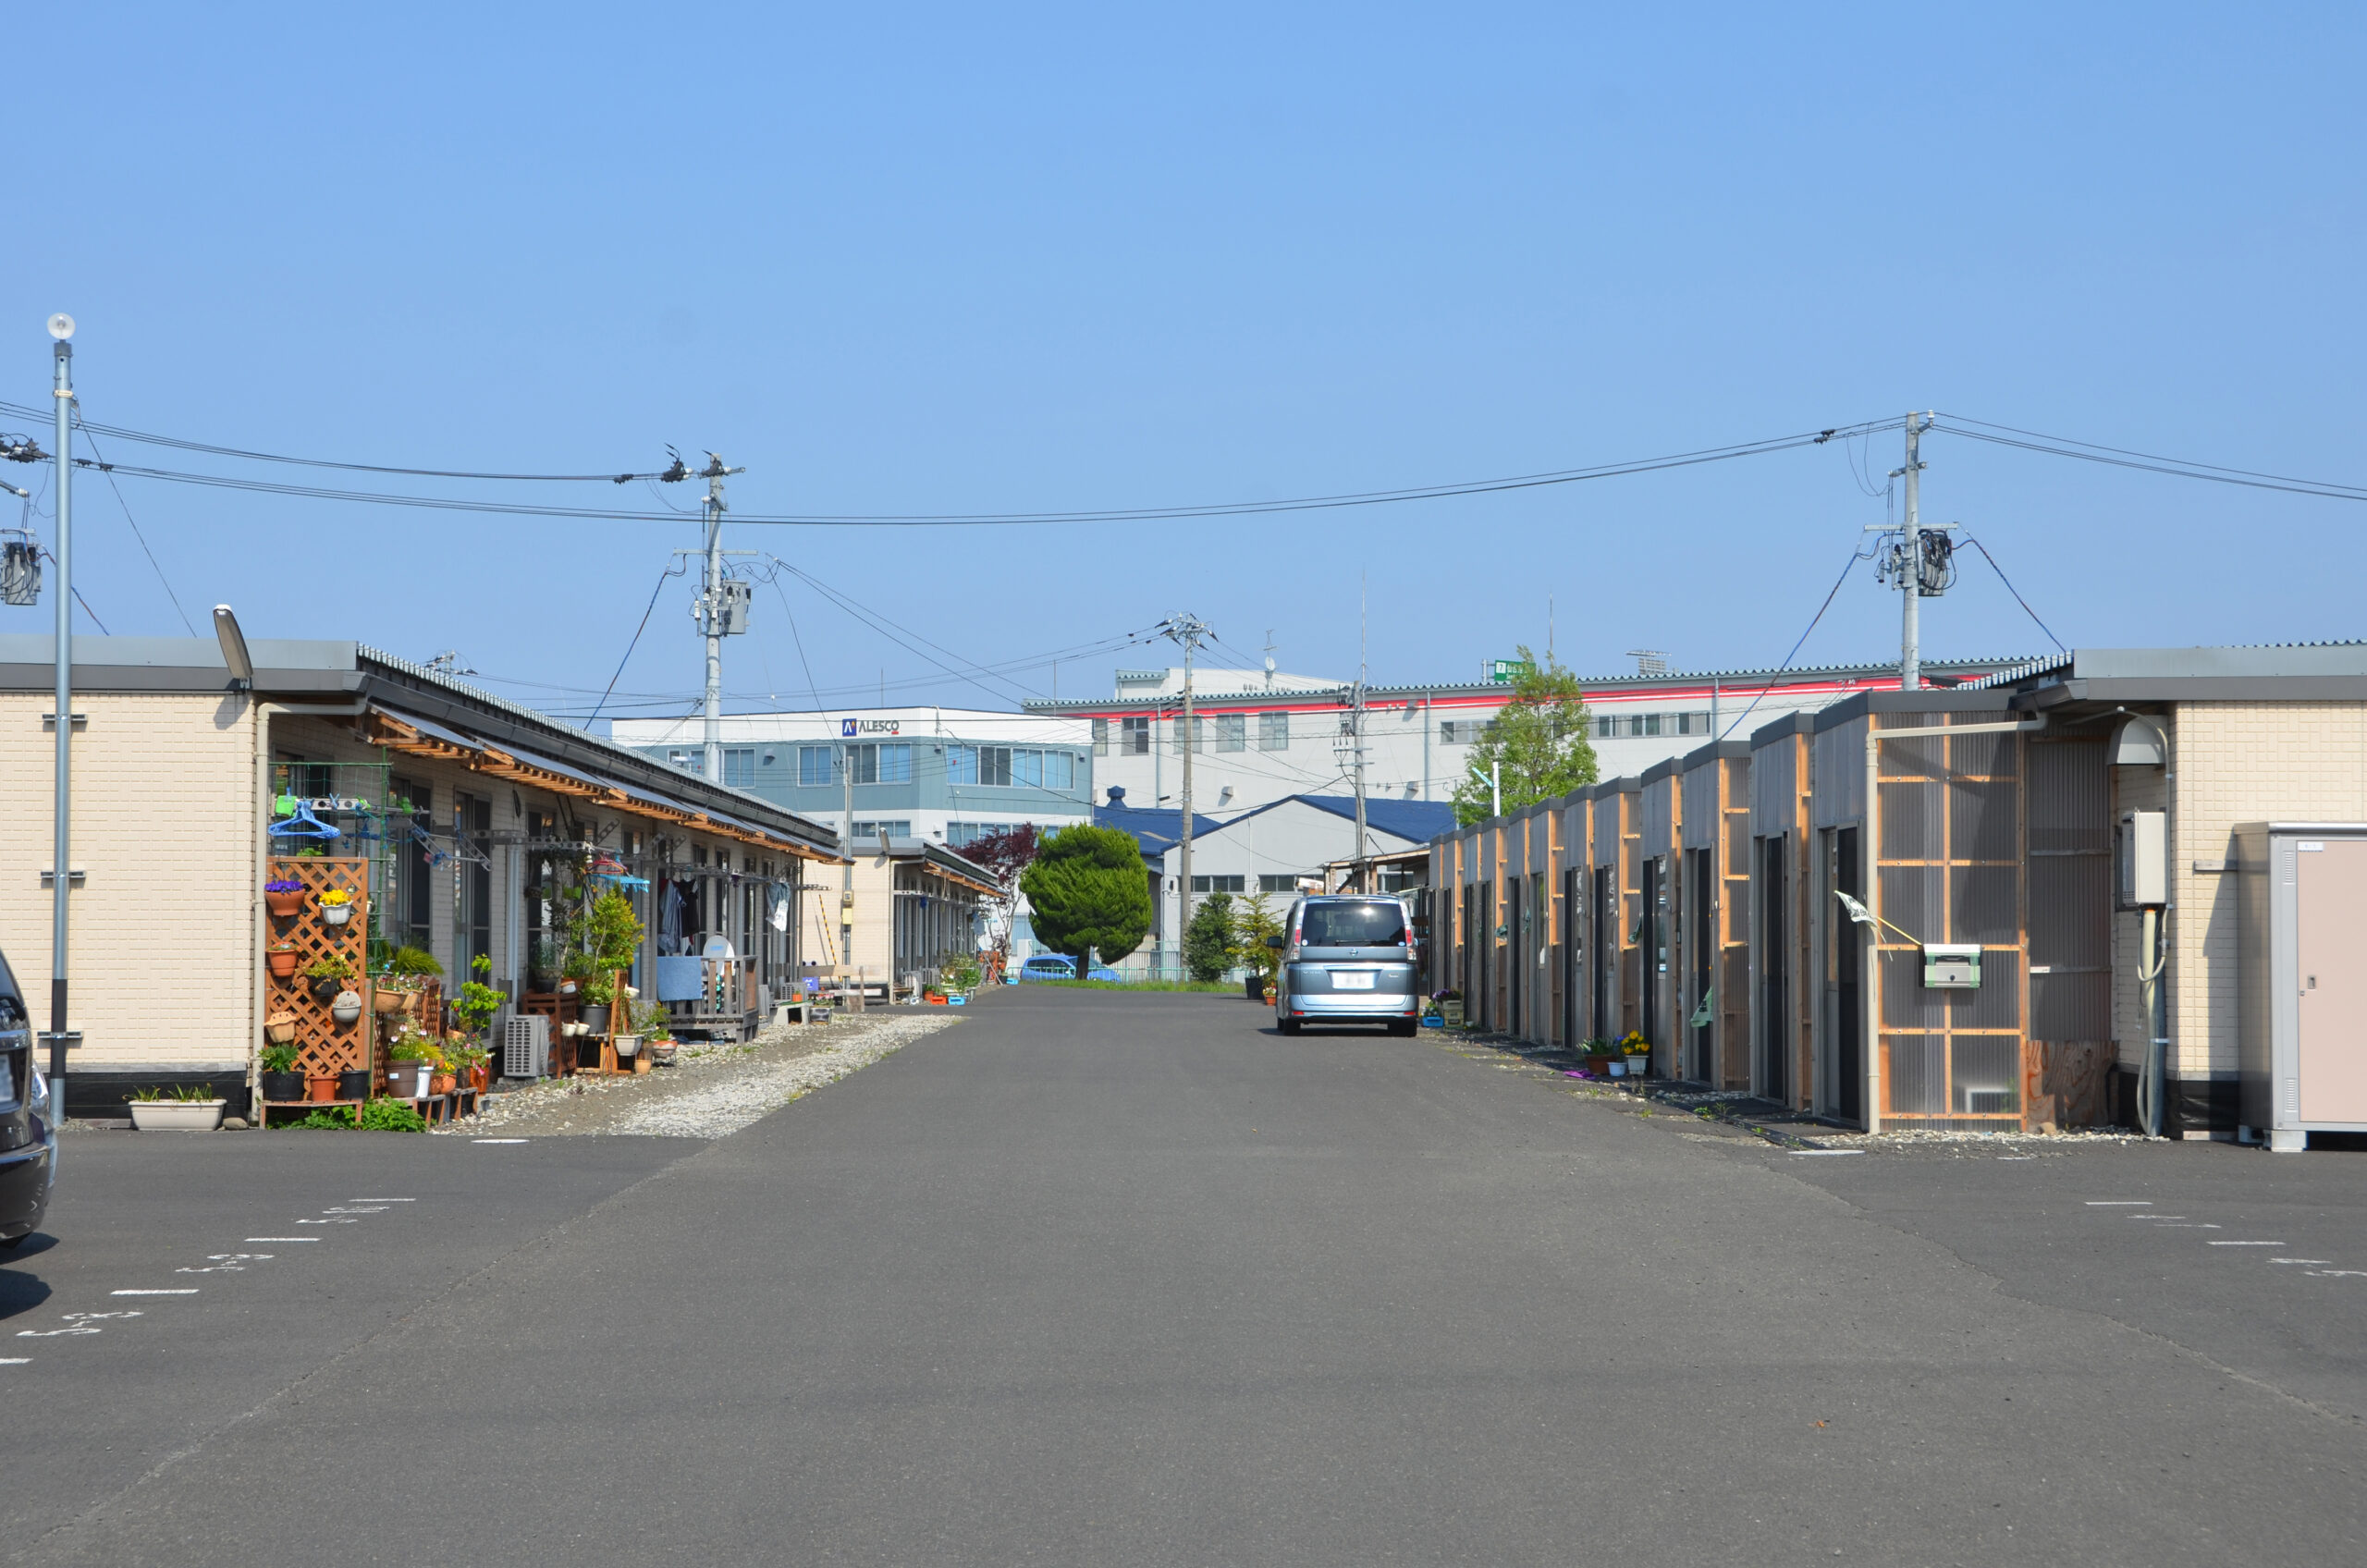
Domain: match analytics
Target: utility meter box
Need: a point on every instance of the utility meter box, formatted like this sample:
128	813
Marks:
1952	966
731	608
2301	991
2144	859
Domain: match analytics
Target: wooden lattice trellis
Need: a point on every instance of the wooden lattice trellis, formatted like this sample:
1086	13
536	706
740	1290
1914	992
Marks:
323	1046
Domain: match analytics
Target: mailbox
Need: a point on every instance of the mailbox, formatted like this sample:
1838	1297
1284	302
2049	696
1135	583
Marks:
1952	966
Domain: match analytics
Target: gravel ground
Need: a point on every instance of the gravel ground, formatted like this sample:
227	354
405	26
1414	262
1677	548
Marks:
711	1091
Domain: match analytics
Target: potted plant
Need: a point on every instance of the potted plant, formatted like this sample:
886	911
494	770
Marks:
281	1081
283	896
336	906
1638	1052
281	958
345	1009
410	1063
319	1086
326	976
477	1002
595	994
353	1084
188	1108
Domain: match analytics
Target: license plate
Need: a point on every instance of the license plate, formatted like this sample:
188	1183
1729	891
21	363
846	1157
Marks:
1351	981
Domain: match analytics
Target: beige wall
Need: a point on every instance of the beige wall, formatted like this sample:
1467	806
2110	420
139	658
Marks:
160	948
2230	762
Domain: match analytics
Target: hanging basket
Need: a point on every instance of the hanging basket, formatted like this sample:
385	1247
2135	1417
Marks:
280	1028
285	906
282	962
337	915
384	1000
347	1008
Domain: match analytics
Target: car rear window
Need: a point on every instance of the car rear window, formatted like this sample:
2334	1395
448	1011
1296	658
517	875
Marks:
1353	925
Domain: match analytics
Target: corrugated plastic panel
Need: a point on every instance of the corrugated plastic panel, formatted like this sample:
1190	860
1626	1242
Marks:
1773	795
1657	806
1698	825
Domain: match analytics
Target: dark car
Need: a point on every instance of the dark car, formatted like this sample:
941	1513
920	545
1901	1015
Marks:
28	1137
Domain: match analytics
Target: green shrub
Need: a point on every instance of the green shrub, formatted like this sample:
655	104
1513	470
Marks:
391	1116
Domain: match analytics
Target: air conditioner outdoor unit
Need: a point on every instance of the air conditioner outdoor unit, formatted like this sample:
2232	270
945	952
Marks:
526	1047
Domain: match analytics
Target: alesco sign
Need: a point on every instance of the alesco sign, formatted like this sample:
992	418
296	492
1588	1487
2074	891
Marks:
851	727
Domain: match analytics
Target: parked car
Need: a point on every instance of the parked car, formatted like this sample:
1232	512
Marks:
1346	959
1060	966
28	1133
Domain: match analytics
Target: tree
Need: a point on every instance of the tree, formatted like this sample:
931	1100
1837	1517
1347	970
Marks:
1538	742
1004	854
1207	940
1252	923
1089	890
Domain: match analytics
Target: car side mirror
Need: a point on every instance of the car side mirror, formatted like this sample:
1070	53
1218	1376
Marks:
1275	942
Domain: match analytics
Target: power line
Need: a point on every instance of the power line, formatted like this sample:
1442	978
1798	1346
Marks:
2014	591
178	444
2117	457
984	520
85	428
1854	556
632	645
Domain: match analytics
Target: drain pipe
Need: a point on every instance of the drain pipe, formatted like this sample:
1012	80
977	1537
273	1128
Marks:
1871	1032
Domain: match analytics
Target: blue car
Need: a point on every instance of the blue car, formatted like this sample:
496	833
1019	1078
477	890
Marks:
1060	966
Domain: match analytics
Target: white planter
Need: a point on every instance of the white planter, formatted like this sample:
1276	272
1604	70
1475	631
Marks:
1638	1065
628	1047
177	1116
337	915
347	1008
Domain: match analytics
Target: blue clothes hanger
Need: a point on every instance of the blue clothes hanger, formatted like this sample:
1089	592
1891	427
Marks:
304	825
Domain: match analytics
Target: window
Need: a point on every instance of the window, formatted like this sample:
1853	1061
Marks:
1273	882
994	766
1028	768
684	759
1060	770
1218	883
1232	732
1450	734
1380	924
873	829
740	767
886	762
1606	726
1101	737
1199	732
961	764
814	769
1274	732
960	833
1137	737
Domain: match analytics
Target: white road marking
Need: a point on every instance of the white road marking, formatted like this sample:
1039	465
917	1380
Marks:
2243	1243
2336	1273
2188	1225
2120	1203
184	1291
2300	1260
78	1323
346	1221
1828	1151
382	1200
2018	1157
342	1209
496	1140
283	1238
15	1360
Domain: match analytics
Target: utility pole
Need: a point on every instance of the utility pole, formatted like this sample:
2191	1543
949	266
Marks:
61	1035
1357	866
713	613
1911	578
1186	631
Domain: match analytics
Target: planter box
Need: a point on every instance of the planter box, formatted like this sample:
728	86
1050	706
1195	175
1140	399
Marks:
177	1116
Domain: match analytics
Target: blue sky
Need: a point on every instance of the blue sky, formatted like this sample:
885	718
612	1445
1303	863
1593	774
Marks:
949	260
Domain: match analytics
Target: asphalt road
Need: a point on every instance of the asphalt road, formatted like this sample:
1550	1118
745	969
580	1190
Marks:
1097	1279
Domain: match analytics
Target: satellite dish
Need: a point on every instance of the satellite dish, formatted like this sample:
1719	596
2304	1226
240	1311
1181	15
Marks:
717	947
61	326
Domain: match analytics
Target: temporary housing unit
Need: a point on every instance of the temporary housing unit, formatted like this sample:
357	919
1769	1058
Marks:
449	816
1659	913
1781	912
1714	829
919	909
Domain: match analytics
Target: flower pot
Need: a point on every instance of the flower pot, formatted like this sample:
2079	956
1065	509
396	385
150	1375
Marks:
595	1017
628	1047
662	1052
285	905
408	1080
1618	1068
478	1075
1598	1065
283	965
283	1085
280	1028
177	1116
382	1000
442	1083
1252	986
353	1086
320	1088
337	915
1637	1066
347	1008
326	990
567	987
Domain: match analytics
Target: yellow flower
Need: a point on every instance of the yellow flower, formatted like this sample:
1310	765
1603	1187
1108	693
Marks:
336	895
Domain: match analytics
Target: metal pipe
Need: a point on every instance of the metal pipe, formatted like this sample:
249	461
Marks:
62	840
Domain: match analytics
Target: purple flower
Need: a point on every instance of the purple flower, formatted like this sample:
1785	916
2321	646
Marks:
283	886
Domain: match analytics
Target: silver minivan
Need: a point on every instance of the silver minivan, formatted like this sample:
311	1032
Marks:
1346	959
